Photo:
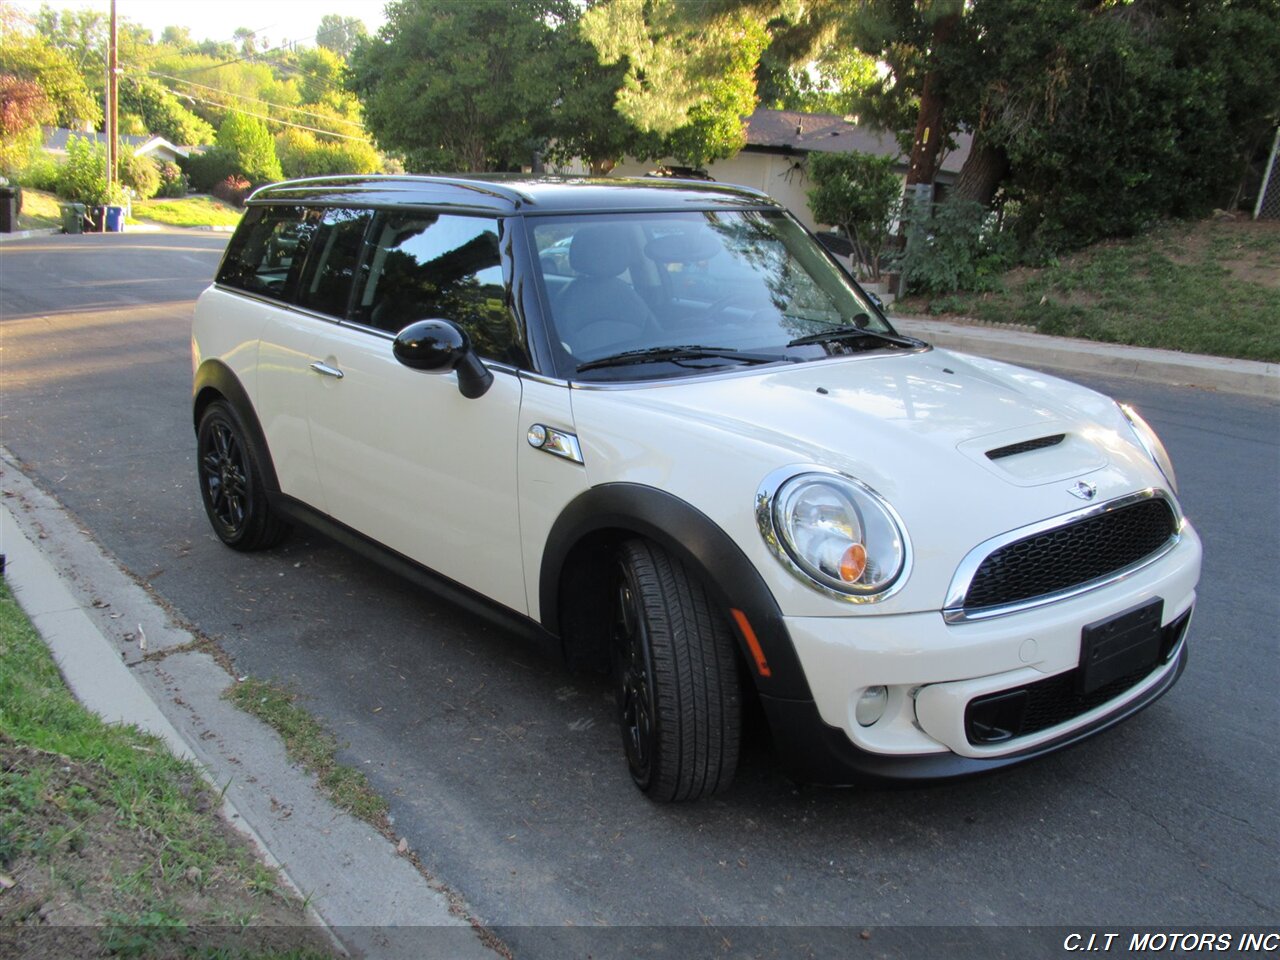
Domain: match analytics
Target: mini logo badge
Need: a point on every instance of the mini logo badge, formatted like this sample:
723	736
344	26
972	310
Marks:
1083	490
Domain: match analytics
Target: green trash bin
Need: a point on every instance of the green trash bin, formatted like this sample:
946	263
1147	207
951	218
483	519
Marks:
72	217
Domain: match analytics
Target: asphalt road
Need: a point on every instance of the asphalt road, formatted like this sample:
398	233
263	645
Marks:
505	771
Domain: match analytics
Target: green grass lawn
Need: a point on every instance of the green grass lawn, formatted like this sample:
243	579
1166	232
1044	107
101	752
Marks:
193	211
112	846
39	210
1209	287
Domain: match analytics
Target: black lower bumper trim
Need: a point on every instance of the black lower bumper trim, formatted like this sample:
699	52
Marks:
816	752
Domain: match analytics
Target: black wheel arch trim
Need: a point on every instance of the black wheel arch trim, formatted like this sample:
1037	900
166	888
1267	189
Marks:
216	376
698	542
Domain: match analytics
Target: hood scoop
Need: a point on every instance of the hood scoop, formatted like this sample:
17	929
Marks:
1029	456
1026	446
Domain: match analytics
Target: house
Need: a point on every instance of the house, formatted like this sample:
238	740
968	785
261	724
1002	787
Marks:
778	143
158	148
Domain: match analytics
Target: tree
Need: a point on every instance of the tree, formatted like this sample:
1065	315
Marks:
859	193
248	142
340	34
32	58
161	113
23	107
690	72
460	86
584	123
179	37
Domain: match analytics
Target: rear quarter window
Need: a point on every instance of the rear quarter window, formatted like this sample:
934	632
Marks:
267	250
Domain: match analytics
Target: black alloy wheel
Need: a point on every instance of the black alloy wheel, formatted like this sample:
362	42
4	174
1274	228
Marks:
230	482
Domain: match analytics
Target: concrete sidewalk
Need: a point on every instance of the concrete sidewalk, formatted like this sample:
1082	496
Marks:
94	617
1249	377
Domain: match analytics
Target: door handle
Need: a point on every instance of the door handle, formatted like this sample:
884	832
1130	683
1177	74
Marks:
327	371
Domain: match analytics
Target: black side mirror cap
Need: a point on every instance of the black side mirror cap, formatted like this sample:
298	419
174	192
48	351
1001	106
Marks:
438	346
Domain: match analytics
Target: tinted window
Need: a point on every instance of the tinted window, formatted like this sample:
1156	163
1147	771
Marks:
267	251
335	246
428	266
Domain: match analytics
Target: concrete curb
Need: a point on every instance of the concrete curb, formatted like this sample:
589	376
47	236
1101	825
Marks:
92	615
1229	375
25	234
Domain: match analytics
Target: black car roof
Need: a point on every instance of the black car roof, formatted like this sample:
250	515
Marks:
511	193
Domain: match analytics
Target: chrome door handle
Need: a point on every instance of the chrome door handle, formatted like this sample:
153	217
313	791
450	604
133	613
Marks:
325	370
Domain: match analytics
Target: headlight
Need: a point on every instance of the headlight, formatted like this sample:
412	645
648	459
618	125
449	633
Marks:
835	533
1150	443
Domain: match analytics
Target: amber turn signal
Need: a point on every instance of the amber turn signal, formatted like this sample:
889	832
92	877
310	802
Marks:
853	563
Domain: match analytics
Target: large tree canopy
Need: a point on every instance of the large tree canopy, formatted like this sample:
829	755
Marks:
33	58
460	86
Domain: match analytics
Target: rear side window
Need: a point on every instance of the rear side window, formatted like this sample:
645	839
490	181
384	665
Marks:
267	251
437	266
332	259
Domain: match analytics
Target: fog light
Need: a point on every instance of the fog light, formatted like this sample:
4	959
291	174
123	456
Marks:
871	705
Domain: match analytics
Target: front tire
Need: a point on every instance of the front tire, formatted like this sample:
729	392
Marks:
676	677
231	482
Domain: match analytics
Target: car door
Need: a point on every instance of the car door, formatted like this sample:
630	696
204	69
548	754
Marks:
263	263
401	455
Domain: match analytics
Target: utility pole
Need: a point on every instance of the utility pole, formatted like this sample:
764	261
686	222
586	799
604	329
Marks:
111	115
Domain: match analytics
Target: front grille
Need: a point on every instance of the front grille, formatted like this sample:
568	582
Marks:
1026	446
1021	712
1070	555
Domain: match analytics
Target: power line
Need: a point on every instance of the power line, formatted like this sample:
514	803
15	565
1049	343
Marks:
239	96
287	123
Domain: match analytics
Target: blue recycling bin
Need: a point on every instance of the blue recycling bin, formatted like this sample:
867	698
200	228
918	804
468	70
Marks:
115	219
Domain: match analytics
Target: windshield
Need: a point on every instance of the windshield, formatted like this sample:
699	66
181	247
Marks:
668	294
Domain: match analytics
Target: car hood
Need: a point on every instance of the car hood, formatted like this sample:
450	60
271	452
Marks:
919	428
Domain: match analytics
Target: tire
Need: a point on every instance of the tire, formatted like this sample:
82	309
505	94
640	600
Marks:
676	678
231	482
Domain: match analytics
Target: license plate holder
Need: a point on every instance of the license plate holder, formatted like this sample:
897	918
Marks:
1119	645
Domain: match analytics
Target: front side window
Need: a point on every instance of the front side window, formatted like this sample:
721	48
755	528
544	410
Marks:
714	288
267	250
425	266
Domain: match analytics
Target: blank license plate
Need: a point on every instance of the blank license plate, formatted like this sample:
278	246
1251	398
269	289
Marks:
1120	645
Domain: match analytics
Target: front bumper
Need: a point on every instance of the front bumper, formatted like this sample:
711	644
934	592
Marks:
934	671
816	752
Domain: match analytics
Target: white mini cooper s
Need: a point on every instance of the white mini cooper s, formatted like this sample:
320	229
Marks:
656	423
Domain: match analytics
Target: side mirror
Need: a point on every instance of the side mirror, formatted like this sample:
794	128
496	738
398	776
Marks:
439	346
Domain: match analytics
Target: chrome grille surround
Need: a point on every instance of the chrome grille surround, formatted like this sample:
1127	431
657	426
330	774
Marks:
954	610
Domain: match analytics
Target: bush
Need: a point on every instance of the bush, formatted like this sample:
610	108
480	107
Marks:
859	193
140	174
173	182
303	155
41	173
83	178
210	168
955	245
249	143
233	190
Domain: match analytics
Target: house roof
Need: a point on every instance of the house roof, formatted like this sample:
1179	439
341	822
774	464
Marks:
791	131
56	138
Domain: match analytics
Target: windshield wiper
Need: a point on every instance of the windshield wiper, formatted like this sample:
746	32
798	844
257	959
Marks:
849	333
671	354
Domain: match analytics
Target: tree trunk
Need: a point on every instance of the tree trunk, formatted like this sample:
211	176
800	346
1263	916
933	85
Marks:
601	167
984	170
927	145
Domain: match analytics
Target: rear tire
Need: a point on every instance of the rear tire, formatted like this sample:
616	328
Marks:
231	482
676	677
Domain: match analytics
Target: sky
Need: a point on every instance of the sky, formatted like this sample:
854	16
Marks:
277	21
